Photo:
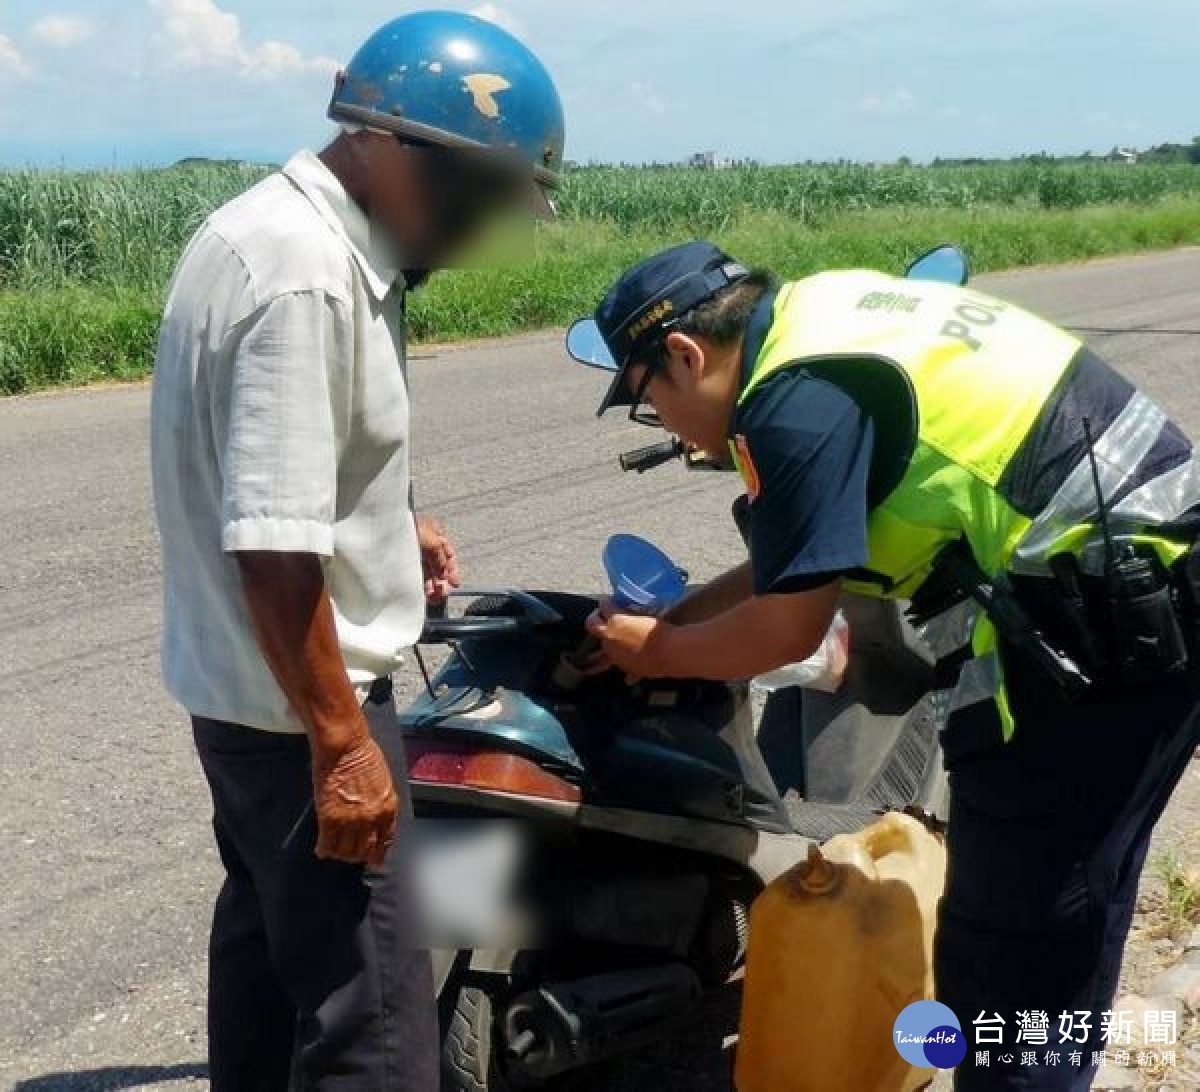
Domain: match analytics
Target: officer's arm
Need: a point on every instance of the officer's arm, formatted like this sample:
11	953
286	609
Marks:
716	597
758	635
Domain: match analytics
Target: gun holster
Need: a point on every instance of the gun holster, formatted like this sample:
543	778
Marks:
957	576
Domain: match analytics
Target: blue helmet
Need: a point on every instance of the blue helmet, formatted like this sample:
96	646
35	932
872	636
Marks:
456	80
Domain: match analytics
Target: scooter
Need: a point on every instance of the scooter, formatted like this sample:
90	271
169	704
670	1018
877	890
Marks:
640	821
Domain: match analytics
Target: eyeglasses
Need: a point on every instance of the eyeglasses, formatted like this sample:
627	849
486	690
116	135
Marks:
641	416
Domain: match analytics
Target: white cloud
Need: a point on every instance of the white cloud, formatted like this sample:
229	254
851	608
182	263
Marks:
200	35
649	98
900	101
502	17
61	31
11	61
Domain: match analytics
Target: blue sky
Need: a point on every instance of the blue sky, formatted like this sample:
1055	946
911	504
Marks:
87	82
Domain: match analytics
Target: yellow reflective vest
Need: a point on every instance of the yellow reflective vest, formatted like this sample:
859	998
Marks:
955	382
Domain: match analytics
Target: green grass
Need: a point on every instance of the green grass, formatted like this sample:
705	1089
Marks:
1181	893
574	263
85	258
59	336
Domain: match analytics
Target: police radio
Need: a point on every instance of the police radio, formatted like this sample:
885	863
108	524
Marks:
1144	636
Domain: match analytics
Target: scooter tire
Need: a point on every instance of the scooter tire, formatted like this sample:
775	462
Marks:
469	1061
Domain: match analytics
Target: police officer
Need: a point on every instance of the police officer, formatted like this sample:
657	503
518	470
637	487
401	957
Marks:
923	441
294	570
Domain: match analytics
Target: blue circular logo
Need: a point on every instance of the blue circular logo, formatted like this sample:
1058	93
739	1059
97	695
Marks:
927	1033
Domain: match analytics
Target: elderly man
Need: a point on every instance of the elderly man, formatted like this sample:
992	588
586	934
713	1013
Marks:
295	571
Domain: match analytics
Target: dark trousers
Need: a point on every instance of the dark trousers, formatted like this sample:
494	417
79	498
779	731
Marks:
317	981
1047	839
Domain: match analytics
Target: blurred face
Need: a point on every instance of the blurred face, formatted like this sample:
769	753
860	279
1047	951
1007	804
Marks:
433	202
694	392
391	190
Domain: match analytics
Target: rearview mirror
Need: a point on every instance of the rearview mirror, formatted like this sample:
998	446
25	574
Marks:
585	344
945	264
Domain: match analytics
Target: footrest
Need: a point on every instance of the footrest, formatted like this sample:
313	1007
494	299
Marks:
822	821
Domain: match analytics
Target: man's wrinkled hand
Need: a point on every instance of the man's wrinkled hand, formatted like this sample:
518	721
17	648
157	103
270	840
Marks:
439	560
356	804
634	643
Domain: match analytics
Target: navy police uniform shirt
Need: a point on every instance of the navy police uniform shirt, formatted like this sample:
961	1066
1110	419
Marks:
810	446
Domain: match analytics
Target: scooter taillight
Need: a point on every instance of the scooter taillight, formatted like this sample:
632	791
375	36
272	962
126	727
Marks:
492	771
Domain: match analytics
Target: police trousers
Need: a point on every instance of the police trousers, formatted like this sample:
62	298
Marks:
1046	841
317	981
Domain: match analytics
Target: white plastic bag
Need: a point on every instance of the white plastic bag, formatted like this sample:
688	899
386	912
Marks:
824	670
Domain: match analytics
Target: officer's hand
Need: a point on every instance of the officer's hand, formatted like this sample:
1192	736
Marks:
439	561
631	642
356	804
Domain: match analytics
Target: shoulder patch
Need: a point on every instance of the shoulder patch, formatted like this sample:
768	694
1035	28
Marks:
747	468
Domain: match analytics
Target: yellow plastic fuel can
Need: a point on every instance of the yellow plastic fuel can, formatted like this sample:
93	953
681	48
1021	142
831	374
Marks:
839	945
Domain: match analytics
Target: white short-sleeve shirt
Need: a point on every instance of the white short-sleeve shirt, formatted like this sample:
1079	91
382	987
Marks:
280	421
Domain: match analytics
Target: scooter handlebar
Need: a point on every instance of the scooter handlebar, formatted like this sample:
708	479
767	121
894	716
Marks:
443	629
647	458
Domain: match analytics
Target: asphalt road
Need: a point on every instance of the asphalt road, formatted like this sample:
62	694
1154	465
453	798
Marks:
108	870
